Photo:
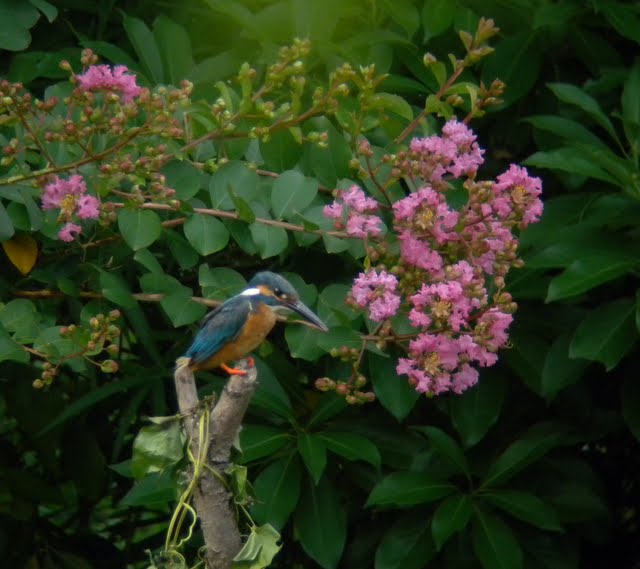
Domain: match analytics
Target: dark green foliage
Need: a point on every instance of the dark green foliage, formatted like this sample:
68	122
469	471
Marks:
536	467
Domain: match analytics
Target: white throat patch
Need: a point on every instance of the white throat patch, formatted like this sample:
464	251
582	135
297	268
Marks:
251	292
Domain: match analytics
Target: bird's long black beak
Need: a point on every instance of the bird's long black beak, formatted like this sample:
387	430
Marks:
306	313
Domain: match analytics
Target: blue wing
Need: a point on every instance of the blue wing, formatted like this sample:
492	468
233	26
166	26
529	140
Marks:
219	327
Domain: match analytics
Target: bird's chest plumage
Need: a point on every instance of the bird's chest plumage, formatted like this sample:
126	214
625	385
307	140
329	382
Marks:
258	324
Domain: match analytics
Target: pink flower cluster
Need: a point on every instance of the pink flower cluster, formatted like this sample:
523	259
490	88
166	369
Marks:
103	78
69	196
447	256
378	292
456	152
352	211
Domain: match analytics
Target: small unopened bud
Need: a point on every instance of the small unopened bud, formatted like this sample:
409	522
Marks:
38	384
109	366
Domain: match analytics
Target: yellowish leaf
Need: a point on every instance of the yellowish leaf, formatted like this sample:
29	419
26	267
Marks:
22	251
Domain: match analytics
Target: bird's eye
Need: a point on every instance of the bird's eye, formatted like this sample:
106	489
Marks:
277	292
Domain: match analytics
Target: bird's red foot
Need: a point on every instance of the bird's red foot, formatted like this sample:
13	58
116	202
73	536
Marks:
233	370
250	362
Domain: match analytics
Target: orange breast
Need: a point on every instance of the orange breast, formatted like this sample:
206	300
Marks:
255	330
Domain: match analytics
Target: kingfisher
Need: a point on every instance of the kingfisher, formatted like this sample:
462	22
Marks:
242	322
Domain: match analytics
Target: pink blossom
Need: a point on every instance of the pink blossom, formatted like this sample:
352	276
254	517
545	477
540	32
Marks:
523	191
102	77
356	199
88	207
359	225
419	253
352	209
378	292
493	325
456	152
56	190
69	231
333	211
464	378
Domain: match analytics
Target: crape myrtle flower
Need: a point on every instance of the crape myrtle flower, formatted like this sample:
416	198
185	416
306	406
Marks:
377	292
448	258
352	211
70	197
104	78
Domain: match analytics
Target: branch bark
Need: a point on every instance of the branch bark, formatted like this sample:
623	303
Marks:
211	499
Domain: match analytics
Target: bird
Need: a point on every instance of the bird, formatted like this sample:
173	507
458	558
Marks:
239	325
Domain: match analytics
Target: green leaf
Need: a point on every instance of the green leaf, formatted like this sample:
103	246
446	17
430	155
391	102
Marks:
259	549
529	448
573	95
139	227
516	61
148	260
292	193
587	273
6	225
606	334
271	241
406	545
14	30
145	47
157	447
320	523
181	309
624	18
394	392
50	11
572	160
570	130
92	398
157	489
314	454
452	515
281	152
277	489
242	181
437	16
394	104
447	447
477	409
494	542
630	400
408	489
337	337
243	209
331	163
332	309
220	283
206	234
184	178
10	350
631	106
330	405
302	342
352	446
257	441
116	289
270	394
175	46
526	507
181	250
20	317
559	369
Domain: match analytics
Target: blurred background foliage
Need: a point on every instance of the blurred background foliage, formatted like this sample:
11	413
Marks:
536	467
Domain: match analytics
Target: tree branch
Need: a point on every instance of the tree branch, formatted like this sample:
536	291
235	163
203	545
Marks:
212	499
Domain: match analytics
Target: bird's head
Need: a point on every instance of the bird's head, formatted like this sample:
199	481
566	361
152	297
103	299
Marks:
278	293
